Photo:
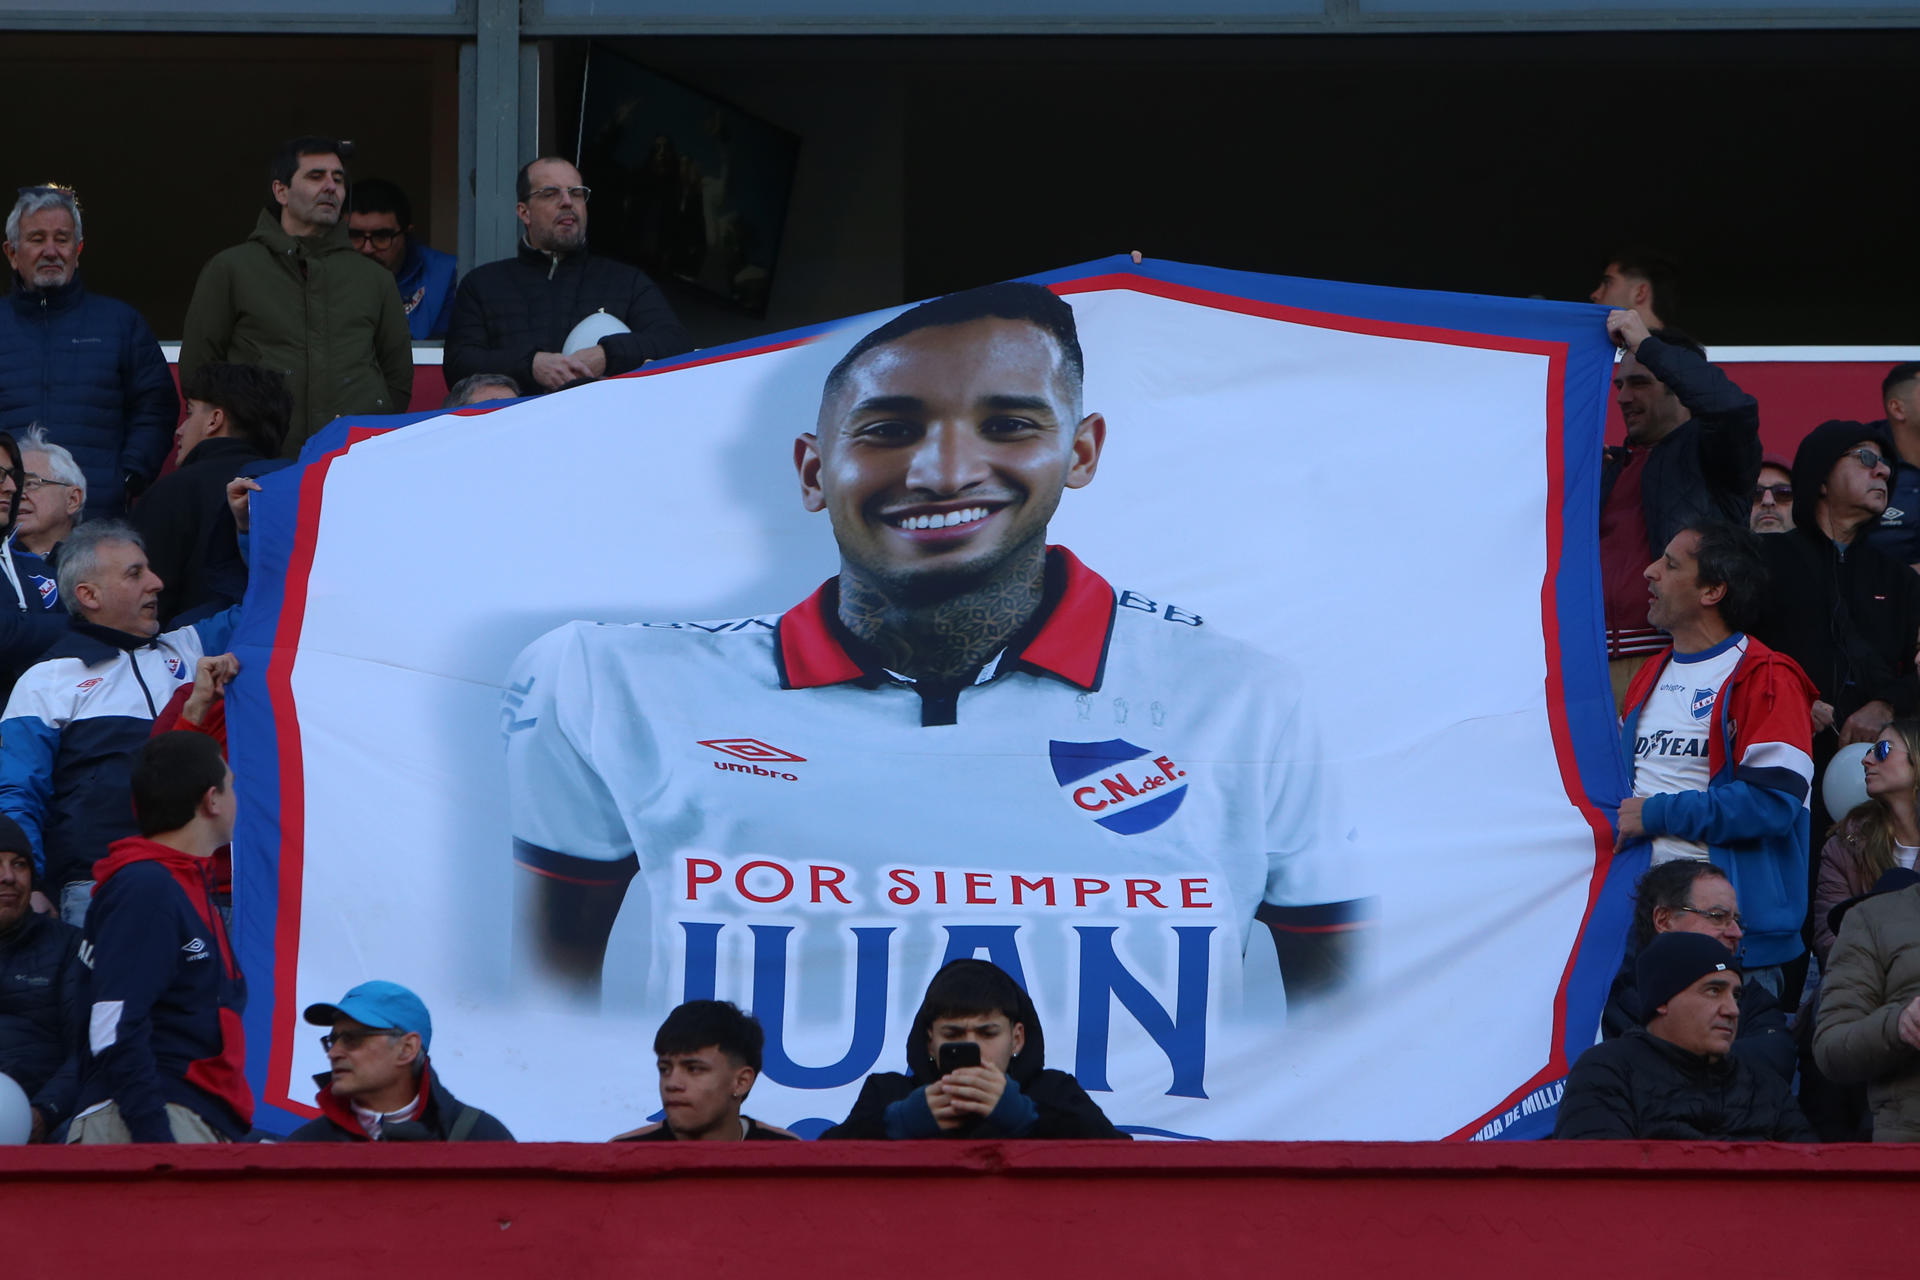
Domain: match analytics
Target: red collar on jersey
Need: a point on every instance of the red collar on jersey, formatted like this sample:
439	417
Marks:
1070	642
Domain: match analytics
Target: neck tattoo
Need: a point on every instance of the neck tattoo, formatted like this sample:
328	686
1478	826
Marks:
949	639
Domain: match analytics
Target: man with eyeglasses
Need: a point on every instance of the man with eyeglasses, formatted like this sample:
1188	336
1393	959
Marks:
1773	497
1696	897
1897	531
381	226
295	298
1691	453
84	366
1717	732
1842	608
381	1086
513	316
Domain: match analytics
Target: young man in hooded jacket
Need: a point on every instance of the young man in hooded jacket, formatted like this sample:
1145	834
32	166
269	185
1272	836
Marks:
166	1056
1010	1094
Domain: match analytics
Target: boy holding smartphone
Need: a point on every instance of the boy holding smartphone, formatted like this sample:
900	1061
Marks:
976	1070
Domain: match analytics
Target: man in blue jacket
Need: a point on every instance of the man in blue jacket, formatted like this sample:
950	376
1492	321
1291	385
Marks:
1718	733
78	717
166	1057
381	227
86	367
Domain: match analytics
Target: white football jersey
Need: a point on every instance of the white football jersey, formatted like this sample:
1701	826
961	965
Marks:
1101	813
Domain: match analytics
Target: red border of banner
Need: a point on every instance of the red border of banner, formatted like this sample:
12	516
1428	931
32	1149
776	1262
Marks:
300	565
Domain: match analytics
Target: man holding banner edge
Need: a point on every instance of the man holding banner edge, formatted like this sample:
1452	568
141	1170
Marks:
945	440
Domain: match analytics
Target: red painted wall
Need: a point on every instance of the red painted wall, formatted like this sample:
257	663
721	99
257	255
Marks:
1044	1210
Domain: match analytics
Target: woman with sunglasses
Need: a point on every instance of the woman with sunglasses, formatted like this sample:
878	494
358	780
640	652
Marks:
1877	836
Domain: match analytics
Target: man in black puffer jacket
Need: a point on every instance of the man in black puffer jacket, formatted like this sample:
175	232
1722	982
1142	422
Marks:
1010	1094
513	316
43	991
1675	1078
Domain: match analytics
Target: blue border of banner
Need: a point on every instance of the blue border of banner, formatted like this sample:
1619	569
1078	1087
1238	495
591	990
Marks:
289	501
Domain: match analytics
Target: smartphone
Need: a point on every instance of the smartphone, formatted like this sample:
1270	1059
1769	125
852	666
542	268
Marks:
961	1053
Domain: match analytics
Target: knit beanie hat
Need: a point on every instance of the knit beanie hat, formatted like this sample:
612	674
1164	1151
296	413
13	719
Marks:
1674	961
1813	461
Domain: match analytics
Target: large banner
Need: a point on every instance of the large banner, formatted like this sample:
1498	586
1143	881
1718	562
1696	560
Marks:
1281	791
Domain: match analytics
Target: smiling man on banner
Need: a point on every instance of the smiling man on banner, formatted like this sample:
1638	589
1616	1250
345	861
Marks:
967	737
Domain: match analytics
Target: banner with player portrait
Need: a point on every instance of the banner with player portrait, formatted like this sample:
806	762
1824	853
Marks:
1217	653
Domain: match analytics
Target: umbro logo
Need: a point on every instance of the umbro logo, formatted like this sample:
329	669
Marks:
751	749
196	949
88	684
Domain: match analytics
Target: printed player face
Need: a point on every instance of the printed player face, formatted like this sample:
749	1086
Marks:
945	453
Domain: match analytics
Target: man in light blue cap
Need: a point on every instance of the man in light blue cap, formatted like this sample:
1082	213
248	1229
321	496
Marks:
382	1087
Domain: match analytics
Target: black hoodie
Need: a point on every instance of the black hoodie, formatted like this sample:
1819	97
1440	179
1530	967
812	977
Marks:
1060	1108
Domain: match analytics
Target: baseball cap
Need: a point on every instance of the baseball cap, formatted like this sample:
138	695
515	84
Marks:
387	1006
1672	962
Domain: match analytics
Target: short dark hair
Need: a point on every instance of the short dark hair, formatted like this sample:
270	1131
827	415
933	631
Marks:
699	1023
377	195
1668	885
523	181
969	990
172	773
1035	304
255	400
1897	377
1729	555
1658	269
286	159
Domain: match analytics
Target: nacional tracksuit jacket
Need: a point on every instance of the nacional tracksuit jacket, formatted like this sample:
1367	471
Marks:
1753	816
167	995
72	727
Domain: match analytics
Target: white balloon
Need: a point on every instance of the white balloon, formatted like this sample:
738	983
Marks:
1845	785
589	332
16	1117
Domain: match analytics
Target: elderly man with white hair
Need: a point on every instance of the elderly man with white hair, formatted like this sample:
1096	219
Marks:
53	492
85	367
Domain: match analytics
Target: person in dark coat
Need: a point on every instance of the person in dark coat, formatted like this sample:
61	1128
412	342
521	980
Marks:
1011	1094
43	991
1692	454
1676	1077
709	1056
513	316
383	1087
31	617
1841	608
1685	896
237	415
1845	611
85	367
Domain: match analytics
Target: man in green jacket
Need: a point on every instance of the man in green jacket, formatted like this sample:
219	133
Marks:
295	297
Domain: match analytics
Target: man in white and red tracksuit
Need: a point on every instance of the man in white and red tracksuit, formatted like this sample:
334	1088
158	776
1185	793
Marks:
1718	733
165	1054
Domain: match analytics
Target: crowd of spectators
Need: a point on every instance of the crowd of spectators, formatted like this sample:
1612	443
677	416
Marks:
1762	613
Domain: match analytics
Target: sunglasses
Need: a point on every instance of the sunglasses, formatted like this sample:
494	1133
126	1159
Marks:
1780	492
1867	458
1880	750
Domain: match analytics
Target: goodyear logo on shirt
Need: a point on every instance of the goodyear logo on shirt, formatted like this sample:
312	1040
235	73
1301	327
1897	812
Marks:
1125	788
